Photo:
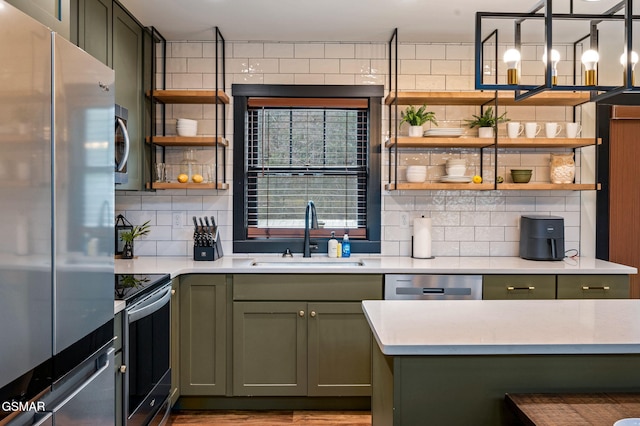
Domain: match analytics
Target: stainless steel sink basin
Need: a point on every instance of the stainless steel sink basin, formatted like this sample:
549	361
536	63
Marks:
305	262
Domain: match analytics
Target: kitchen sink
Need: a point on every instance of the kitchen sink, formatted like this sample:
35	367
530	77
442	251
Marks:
305	262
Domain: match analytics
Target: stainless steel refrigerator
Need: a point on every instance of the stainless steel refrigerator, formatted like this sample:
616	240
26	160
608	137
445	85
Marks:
56	223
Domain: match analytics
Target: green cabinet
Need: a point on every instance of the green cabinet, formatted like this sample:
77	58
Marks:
593	286
128	38
55	14
94	29
175	341
568	286
516	287
203	322
302	335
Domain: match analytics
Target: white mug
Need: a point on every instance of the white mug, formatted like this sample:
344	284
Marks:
573	130
514	129
552	129
531	130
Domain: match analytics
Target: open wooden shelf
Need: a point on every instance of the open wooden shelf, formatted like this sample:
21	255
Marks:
189	185
190	96
547	142
184	141
480	98
489	186
475	142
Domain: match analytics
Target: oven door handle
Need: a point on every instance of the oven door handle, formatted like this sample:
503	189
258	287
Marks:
125	135
147	309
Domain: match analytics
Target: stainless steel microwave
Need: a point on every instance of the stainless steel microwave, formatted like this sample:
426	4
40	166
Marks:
122	145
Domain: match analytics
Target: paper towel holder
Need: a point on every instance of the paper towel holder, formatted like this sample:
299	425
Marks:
430	257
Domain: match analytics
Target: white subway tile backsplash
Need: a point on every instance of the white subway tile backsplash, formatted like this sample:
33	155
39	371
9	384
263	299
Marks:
465	223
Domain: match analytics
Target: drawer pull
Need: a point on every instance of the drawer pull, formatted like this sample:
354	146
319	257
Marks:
586	287
301	313
511	288
313	314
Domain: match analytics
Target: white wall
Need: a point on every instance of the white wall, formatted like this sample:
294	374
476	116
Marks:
465	223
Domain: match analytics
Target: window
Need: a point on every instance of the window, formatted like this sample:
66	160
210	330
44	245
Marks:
293	144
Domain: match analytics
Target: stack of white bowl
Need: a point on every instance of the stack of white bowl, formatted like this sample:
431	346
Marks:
456	167
186	127
416	173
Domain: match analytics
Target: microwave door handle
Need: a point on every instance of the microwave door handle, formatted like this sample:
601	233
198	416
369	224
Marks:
147	310
125	134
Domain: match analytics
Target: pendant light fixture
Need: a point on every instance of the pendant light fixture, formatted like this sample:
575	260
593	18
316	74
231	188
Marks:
590	61
512	59
555	58
623	62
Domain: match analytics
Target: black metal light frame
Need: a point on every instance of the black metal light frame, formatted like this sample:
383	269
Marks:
525	91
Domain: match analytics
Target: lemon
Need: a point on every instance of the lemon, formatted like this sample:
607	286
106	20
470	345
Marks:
182	178
197	178
477	179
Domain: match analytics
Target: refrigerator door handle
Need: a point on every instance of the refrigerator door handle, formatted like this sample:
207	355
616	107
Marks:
84	385
125	134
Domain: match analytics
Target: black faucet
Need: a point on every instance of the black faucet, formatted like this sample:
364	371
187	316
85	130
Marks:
310	211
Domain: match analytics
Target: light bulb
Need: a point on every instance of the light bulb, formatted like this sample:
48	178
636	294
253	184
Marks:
512	59
590	60
555	58
623	62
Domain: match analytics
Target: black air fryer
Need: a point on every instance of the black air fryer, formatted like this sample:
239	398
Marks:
542	237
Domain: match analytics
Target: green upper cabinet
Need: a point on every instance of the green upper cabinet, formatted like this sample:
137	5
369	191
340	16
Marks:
55	14
94	29
128	64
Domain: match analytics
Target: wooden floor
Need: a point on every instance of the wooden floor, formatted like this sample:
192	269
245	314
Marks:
270	418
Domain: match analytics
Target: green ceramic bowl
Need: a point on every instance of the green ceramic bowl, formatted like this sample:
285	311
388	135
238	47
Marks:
521	175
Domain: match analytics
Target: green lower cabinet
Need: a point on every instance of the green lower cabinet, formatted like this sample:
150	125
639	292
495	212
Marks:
339	350
270	348
517	287
203	322
593	286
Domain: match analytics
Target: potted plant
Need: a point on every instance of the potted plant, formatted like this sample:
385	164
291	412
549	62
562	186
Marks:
416	118
486	122
129	236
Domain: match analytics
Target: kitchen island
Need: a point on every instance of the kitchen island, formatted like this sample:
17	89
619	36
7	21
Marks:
452	362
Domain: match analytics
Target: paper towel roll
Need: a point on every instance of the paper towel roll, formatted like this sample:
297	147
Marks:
422	238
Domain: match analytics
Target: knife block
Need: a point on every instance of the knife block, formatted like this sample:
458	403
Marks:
208	252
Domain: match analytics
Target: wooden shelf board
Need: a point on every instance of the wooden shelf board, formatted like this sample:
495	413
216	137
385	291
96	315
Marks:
547	186
439	186
547	142
190	96
190	185
479	98
489	186
473	142
188	141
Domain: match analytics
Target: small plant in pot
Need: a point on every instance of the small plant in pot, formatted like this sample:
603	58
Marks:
416	118
129	236
486	122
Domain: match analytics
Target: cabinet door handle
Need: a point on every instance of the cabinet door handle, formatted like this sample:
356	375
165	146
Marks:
173	292
313	314
586	287
511	288
123	369
301	313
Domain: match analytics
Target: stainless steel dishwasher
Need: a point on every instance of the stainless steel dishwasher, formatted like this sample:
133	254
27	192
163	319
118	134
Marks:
433	287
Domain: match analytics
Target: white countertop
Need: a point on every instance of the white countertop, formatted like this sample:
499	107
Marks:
241	264
504	327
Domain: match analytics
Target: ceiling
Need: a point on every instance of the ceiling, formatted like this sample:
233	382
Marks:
331	20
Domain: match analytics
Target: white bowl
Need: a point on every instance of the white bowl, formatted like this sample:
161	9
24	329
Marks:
187	121
456	170
187	132
416	173
628	422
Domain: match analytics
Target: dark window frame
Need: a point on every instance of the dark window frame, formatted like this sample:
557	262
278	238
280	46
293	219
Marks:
241	95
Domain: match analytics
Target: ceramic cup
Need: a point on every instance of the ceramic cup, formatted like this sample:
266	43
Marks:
531	130
552	129
573	130
514	129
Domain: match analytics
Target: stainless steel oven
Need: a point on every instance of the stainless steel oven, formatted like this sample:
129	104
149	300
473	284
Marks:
146	349
122	145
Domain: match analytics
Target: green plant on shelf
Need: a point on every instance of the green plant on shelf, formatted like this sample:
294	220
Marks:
417	117
488	119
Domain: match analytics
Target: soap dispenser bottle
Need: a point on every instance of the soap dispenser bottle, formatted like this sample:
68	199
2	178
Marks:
332	246
346	246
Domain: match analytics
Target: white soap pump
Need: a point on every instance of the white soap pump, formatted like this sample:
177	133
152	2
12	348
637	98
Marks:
332	246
